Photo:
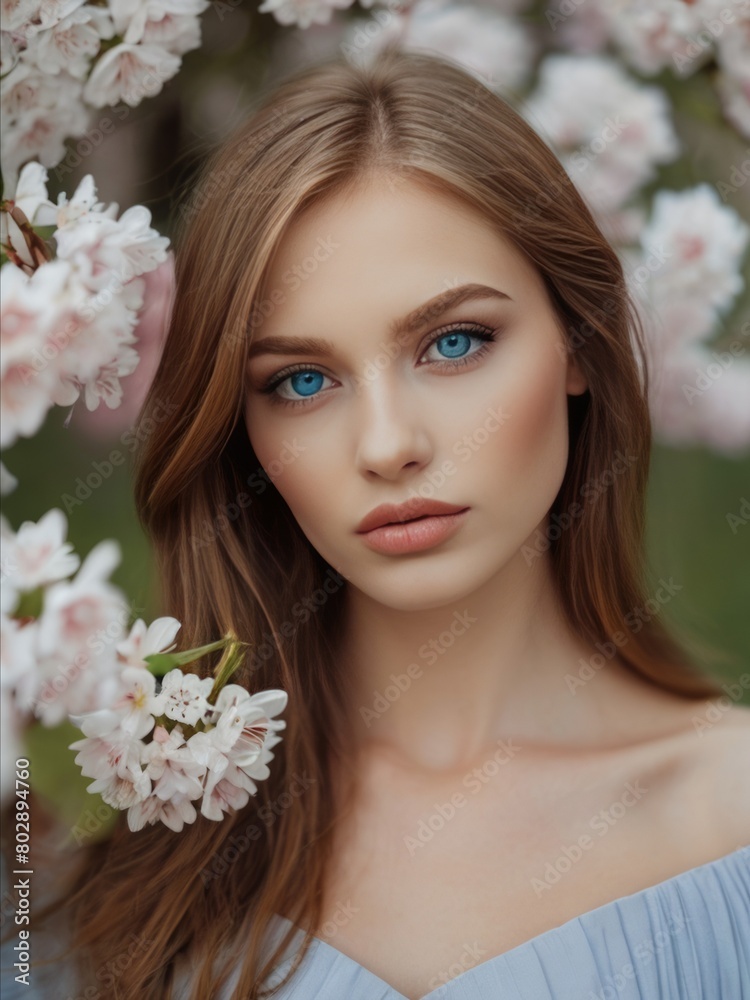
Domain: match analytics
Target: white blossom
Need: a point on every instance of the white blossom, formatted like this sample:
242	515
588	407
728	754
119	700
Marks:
254	716
136	701
121	793
11	44
177	33
230	790
584	29
173	813
173	770
237	749
80	623
72	43
496	49
15	15
68	325
701	395
143	641
214	749
43	15
18	668
129	73
109	250
171	24
38	554
705	242
98	353
653	33
30	196
183	697
39	111
303	13
157	780
32	311
77	609
725	408
112	757
609	131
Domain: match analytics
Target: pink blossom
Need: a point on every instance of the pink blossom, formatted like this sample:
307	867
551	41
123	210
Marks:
173	813
144	641
129	73
231	790
183	696
171	766
149	331
38	554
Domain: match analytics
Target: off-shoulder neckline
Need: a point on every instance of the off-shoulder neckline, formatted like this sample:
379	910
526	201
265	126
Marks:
441	991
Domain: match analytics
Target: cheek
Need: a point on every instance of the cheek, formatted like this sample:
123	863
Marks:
531	447
299	468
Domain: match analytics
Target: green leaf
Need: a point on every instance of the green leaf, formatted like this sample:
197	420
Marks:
161	663
229	663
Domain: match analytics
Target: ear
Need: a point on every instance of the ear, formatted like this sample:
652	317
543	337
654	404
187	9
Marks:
576	382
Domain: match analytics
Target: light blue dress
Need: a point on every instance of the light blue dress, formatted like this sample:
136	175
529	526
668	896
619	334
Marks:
687	938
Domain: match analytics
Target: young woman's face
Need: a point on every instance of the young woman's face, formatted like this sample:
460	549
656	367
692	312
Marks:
466	406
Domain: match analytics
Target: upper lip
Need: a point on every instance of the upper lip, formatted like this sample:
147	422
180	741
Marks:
397	513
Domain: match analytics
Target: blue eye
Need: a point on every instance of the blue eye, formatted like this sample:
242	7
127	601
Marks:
303	384
456	343
306	383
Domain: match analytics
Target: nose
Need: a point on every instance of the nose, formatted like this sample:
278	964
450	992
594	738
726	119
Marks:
391	432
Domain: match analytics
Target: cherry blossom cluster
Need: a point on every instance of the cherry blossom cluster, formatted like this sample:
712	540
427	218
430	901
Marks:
649	35
63	626
68	653
55	66
68	322
156	752
686	276
486	39
653	35
609	131
682	253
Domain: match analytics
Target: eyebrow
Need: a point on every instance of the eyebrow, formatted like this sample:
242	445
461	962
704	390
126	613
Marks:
410	323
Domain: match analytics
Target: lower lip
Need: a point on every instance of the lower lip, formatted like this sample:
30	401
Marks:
414	536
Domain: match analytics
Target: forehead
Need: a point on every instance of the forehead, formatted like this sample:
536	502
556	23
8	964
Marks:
376	212
384	247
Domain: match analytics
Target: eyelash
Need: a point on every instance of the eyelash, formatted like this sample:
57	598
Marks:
482	333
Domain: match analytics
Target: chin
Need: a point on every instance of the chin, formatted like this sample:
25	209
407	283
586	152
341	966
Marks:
424	584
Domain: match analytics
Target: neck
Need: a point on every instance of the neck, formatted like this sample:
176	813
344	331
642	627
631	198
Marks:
436	686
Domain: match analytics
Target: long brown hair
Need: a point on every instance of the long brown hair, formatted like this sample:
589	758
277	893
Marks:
229	551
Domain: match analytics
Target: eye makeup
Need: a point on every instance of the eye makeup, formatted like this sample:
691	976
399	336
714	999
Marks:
485	335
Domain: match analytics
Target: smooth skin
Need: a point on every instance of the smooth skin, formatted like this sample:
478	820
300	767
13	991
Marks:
473	624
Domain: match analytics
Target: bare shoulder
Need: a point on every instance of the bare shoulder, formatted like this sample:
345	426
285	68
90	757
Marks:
711	758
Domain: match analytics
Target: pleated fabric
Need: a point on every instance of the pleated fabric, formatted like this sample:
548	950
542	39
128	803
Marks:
687	938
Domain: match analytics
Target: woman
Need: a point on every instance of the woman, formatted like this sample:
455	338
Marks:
392	473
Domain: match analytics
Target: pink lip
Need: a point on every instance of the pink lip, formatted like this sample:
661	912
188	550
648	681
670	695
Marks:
398	514
416	535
